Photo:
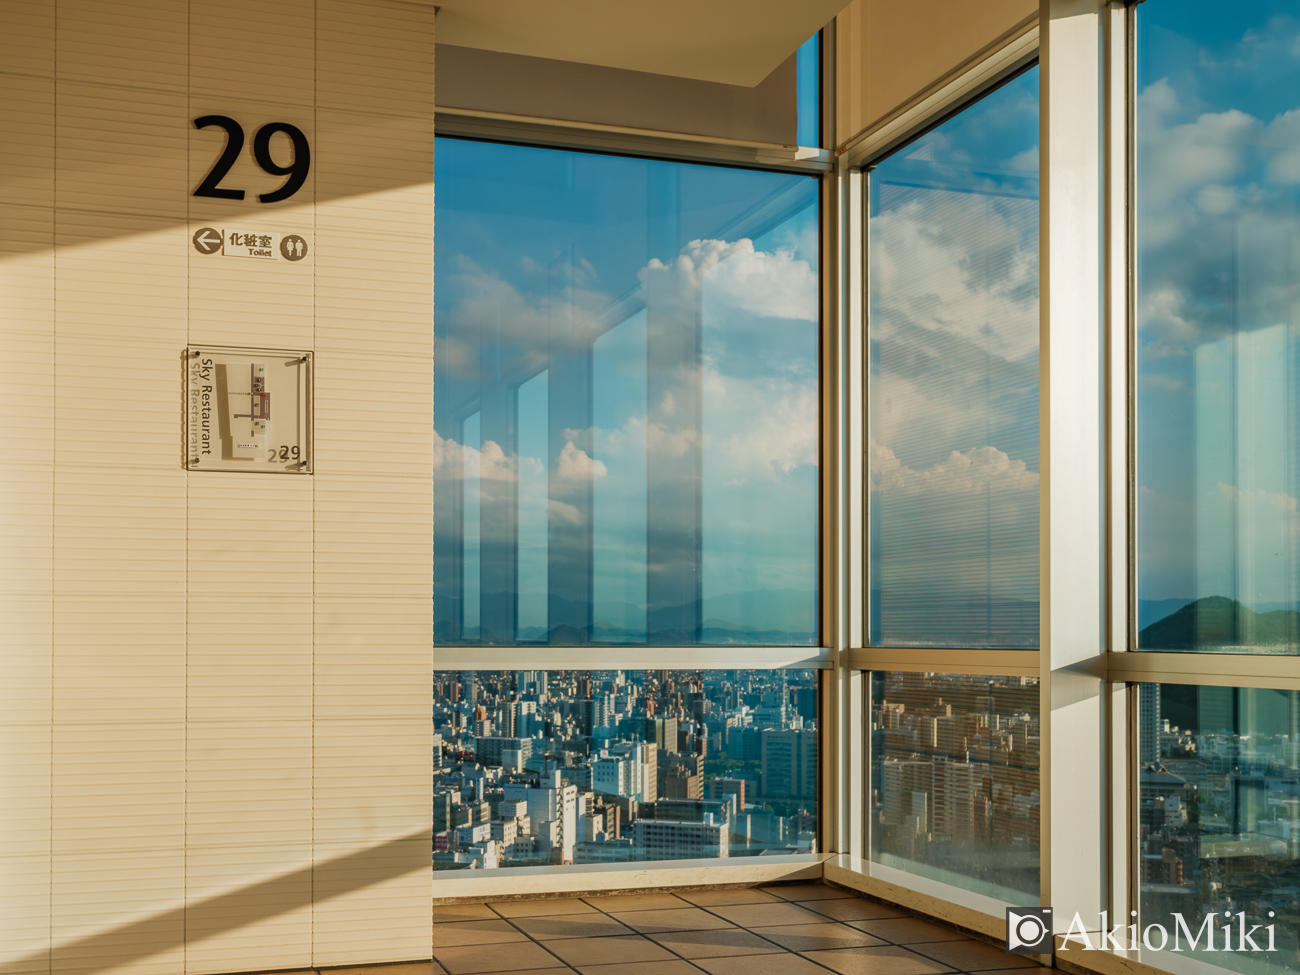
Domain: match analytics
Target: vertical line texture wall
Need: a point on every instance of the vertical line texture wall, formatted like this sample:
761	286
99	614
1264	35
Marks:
215	688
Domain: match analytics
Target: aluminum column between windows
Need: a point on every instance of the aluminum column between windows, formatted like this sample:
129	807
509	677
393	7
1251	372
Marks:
1071	507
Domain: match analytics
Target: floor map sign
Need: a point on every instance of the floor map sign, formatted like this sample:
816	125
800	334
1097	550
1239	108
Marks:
248	410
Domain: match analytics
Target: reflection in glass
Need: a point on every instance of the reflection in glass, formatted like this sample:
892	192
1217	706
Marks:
472	522
1217	224
953	404
955	778
1219	814
637	341
619	499
557	767
534	519
808	66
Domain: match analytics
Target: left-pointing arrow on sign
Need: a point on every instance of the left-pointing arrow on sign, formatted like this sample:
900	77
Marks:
207	240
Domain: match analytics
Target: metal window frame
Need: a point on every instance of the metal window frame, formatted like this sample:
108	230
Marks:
852	867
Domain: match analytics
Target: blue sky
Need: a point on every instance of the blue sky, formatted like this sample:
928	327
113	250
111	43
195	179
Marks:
954	379
543	255
1218	236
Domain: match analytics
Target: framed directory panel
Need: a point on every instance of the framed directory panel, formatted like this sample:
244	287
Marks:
248	410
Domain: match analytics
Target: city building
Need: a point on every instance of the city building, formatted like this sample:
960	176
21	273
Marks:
843	442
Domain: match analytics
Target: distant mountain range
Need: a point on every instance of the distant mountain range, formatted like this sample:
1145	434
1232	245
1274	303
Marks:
756	617
1222	623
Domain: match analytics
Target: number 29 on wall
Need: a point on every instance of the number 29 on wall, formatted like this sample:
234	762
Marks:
296	170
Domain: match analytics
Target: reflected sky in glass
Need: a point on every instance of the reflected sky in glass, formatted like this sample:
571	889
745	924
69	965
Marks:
1218	265
808	64
625	400
953	398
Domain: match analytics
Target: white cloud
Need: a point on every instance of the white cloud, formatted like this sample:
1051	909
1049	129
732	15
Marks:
564	512
962	265
452	461
759	428
774	284
576	465
962	472
1159	381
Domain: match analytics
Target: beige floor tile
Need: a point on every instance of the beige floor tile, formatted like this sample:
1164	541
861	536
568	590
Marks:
636	902
592	925
674	967
817	937
681	919
463	912
455	933
807	892
715	944
889	960
438	969
783	963
974	956
733	895
908	930
854	909
414	968
607	951
766	915
472	959
543	908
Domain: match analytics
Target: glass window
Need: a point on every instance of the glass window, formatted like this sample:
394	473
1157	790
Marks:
1217	224
555	767
954	775
953	396
808	66
625	401
1219	825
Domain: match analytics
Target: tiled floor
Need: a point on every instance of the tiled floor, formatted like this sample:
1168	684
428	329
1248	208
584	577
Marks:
805	929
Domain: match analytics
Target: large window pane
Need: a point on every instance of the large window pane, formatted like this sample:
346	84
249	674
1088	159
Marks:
1217	224
1219	821
625	401
955	797
554	767
953	405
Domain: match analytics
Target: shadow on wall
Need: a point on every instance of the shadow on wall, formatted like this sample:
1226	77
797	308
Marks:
313	884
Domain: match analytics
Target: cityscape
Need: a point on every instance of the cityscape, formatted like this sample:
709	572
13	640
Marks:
1220	814
536	768
955	791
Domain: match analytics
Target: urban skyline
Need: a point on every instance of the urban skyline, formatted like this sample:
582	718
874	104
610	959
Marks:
543	767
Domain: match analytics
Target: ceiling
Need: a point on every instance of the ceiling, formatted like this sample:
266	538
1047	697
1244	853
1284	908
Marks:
735	42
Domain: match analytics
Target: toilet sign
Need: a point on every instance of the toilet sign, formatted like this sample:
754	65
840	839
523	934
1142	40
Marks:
249	243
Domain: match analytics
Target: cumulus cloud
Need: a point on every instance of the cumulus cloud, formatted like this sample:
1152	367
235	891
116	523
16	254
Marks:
962	265
575	464
455	461
774	284
961	472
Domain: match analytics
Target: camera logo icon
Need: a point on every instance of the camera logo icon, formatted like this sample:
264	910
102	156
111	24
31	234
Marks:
1029	930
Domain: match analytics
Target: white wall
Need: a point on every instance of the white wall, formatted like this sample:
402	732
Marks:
214	688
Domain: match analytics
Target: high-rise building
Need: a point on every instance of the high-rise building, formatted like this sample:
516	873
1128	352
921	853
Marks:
789	764
1149	722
